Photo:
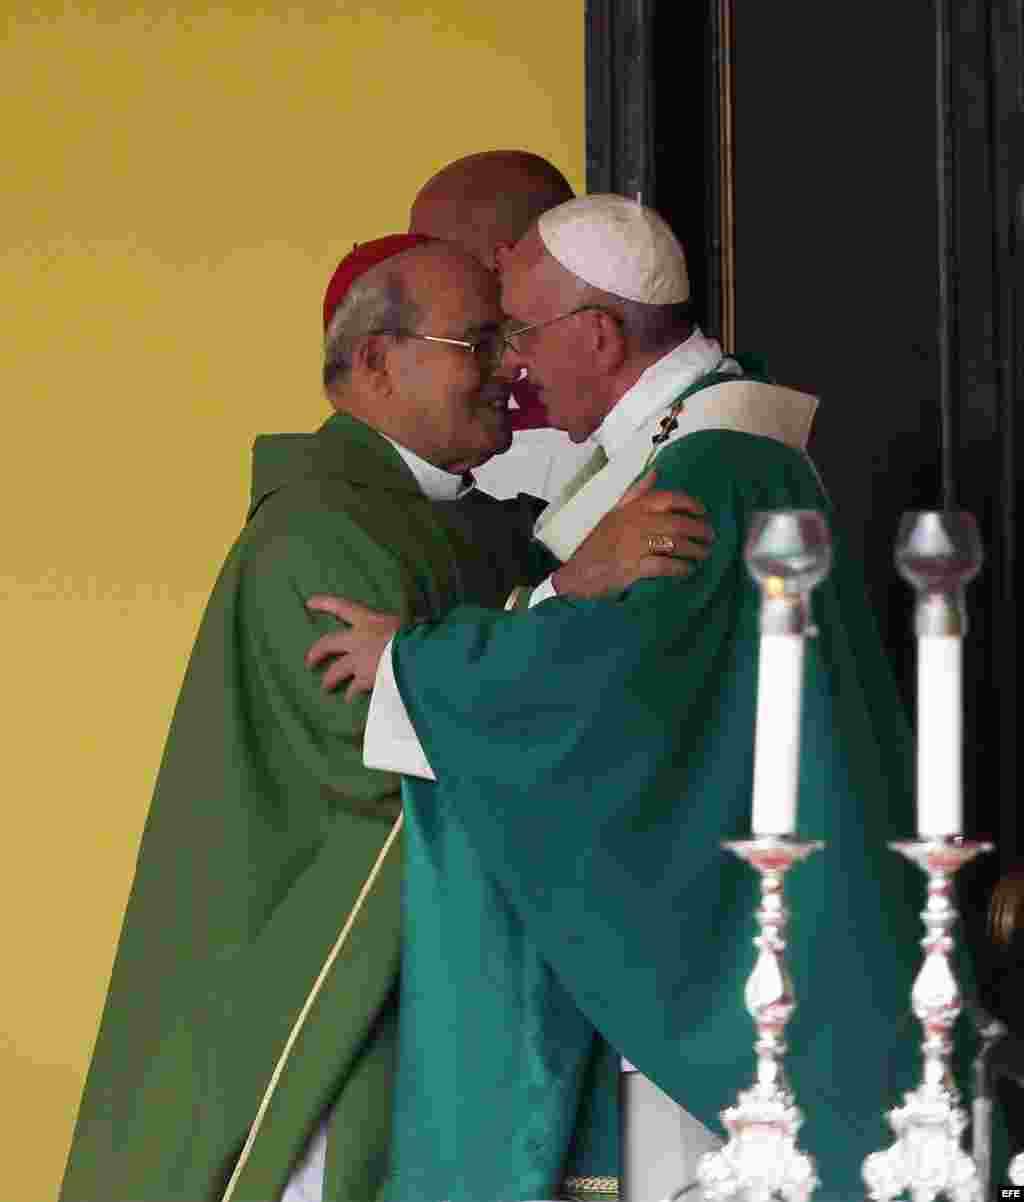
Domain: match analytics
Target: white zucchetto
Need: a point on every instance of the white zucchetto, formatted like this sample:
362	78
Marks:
619	246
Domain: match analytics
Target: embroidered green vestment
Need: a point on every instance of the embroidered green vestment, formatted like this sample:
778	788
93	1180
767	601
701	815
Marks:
263	828
590	758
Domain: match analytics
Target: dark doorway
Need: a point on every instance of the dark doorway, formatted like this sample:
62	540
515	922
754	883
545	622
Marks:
849	185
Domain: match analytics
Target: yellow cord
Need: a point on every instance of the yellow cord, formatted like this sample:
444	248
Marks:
300	1021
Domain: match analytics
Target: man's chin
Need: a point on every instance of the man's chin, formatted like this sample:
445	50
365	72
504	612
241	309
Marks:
470	464
489	455
554	422
567	430
574	432
503	437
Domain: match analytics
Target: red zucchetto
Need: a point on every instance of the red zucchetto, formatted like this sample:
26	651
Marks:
359	260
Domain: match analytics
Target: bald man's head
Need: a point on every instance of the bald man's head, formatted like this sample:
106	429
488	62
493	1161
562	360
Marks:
487	201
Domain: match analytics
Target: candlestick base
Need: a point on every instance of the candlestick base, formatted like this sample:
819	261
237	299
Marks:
927	1160
761	1161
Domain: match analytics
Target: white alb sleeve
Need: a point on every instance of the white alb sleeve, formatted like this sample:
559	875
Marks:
542	592
390	741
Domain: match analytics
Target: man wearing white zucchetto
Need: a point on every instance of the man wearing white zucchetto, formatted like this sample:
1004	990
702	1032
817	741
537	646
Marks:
572	767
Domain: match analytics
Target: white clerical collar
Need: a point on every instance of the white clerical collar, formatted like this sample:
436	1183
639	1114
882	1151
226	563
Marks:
659	385
435	483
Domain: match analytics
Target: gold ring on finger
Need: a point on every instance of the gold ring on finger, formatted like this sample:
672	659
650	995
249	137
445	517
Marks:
661	544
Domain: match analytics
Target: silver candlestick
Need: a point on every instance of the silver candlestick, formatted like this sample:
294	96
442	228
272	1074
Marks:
927	1159
788	553
938	554
761	1159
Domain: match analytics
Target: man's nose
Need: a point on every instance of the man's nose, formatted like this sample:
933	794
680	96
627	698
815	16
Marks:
511	364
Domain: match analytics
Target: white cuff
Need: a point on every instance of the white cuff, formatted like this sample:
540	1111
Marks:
543	592
390	741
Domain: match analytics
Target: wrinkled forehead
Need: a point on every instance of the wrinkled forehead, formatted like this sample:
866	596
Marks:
451	287
516	295
534	286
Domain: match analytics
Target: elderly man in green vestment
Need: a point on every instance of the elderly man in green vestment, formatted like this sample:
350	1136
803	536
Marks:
565	803
253	998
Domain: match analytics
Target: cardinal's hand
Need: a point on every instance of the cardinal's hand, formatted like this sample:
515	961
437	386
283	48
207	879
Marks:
353	653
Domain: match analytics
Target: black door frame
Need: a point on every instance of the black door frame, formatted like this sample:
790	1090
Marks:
626	136
979	86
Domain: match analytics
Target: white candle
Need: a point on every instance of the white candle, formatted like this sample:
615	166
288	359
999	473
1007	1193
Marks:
777	733
939	736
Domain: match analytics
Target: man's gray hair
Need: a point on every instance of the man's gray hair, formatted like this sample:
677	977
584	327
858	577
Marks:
646	327
655	327
377	302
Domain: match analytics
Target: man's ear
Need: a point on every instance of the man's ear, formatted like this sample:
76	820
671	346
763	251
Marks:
609	341
370	366
370	354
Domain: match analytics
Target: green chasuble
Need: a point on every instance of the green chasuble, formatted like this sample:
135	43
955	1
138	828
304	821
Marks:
590	758
264	827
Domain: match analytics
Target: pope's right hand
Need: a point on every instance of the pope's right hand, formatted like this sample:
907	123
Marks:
648	533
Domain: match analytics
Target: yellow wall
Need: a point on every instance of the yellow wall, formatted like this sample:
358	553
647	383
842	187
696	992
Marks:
177	187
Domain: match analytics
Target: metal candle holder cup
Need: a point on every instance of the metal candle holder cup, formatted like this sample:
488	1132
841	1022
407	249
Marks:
788	553
938	554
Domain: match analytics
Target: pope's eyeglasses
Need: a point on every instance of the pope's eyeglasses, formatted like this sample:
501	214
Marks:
512	332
